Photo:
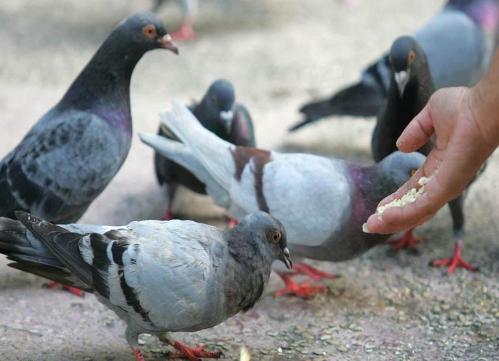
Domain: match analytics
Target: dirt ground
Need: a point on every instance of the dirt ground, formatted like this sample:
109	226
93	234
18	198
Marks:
386	306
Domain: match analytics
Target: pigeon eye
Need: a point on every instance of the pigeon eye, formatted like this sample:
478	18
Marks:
276	236
149	30
411	57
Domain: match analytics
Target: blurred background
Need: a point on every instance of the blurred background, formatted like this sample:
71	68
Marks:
278	54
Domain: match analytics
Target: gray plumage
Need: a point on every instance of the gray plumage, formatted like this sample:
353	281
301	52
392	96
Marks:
157	276
72	153
459	43
321	202
218	112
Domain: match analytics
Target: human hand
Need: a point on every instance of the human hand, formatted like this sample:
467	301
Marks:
460	148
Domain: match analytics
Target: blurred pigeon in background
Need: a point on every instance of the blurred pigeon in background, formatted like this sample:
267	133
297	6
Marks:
459	43
218	113
185	31
411	87
321	202
159	277
72	153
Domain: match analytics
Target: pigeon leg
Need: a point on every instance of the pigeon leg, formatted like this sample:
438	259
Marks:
301	268
454	262
457	213
138	355
170	191
168	216
185	31
75	291
303	290
408	240
186	352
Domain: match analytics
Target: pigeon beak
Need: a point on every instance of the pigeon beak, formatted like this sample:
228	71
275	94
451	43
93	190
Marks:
402	78
166	42
287	258
226	116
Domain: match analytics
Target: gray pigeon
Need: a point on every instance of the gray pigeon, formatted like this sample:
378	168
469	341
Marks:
321	202
159	277
411	87
72	153
218	112
459	43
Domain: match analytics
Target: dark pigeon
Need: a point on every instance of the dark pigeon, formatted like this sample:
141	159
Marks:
159	277
411	86
72	153
321	202
219	113
459	43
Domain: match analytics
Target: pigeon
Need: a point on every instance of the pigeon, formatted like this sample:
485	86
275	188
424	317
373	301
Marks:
158	276
321	202
218	113
72	153
185	31
459	43
411	86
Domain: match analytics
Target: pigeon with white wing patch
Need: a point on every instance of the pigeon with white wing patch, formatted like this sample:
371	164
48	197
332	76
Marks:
321	202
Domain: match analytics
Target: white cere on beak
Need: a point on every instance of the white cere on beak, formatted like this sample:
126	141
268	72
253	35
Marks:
226	115
401	78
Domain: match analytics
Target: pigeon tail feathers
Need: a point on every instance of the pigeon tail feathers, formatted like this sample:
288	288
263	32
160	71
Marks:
212	152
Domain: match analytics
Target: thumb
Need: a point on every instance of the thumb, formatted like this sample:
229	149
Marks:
418	132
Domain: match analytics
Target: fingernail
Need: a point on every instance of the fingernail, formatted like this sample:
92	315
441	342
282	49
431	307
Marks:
365	229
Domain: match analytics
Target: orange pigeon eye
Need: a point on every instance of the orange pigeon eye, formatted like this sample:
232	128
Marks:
276	236
149	30
411	57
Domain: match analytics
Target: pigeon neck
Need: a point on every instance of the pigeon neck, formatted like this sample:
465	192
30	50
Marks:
415	96
209	118
369	191
103	86
250	262
371	188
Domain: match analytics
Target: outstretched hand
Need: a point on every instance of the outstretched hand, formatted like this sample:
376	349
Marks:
461	145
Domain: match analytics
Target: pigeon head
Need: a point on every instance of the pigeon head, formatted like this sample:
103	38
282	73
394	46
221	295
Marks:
405	55
268	233
106	78
398	167
147	32
219	103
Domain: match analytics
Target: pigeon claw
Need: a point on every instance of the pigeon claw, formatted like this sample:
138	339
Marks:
408	240
454	262
75	291
301	268
192	354
303	290
138	355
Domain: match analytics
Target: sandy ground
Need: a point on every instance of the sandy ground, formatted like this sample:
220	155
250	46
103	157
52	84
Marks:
279	54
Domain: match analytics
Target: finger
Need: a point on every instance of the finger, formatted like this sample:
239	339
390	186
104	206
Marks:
411	183
417	133
400	218
397	219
